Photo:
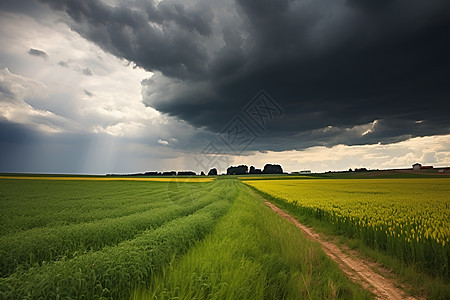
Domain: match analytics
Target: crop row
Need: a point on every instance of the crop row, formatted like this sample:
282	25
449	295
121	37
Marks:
22	250
252	253
113	271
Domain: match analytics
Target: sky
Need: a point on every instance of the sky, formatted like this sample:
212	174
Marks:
106	86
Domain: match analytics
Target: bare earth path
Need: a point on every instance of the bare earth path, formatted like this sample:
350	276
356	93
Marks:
356	269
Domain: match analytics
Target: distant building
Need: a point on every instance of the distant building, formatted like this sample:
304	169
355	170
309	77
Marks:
305	172
416	166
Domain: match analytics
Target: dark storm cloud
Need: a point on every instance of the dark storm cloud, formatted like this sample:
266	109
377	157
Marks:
39	53
164	37
382	131
29	7
370	6
340	65
327	63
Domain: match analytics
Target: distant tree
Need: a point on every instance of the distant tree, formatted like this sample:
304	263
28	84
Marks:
187	173
152	173
170	173
272	169
212	172
202	173
361	170
254	171
239	170
350	170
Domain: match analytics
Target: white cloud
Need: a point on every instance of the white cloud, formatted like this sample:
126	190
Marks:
58	88
426	150
20	86
121	129
14	90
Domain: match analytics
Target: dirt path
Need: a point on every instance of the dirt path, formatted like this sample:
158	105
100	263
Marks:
356	269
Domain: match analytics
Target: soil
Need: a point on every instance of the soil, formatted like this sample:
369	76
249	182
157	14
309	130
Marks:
381	282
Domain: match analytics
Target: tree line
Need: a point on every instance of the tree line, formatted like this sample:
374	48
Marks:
243	170
232	170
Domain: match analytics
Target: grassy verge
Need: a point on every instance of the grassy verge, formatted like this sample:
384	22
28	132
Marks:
252	254
416	280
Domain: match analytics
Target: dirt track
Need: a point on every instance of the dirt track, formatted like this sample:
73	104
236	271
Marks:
356	269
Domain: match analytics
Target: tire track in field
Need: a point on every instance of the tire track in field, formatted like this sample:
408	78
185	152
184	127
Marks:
356	269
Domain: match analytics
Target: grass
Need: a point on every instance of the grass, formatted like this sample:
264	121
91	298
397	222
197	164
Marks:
252	253
110	269
27	204
163	240
25	249
417	281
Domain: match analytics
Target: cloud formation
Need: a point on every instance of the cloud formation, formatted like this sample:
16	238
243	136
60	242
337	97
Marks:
343	64
76	67
15	90
344	72
432	150
167	36
39	53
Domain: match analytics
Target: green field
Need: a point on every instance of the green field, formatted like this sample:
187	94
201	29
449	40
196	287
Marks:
90	239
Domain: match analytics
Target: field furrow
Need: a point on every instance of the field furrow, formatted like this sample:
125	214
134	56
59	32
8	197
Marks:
113	271
46	244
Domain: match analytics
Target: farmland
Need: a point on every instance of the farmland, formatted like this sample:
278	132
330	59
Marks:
252	254
77	238
81	238
404	218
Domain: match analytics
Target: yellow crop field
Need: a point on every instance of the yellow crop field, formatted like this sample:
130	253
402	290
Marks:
270	177
157	179
409	218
